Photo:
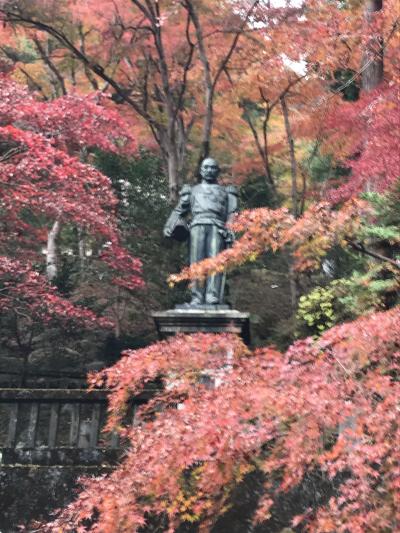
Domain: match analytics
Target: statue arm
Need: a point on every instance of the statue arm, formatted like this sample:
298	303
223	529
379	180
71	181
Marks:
233	202
183	206
233	207
181	209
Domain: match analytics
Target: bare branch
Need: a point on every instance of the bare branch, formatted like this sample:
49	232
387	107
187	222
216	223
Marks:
93	66
210	83
359	246
34	83
239	32
47	61
12	152
262	148
186	66
88	73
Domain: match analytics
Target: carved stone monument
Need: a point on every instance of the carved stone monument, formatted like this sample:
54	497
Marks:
209	206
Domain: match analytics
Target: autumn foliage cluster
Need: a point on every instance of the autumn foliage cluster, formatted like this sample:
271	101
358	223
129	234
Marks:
43	180
273	92
267	411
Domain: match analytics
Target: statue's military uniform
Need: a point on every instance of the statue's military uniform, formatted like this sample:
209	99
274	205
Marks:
211	206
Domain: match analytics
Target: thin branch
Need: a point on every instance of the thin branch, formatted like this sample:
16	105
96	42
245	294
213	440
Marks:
153	15
143	9
47	61
262	150
186	67
239	32
207	81
284	93
12	152
94	67
210	83
92	80
359	246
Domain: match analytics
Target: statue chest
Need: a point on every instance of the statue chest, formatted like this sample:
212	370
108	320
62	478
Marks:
206	198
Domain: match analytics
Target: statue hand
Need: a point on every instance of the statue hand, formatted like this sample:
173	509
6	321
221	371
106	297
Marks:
230	237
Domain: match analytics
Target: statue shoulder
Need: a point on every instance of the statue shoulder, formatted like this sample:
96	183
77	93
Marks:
186	189
232	189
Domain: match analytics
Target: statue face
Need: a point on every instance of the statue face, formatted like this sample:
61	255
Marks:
209	170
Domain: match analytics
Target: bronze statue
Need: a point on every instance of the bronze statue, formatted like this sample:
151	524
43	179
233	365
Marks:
210	206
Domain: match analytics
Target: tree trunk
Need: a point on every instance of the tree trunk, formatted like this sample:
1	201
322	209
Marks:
293	163
173	175
293	284
372	63
207	83
51	261
210	82
81	250
262	150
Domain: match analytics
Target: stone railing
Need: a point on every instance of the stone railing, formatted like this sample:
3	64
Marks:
58	427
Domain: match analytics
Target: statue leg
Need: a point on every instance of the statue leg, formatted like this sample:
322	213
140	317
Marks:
198	236
215	245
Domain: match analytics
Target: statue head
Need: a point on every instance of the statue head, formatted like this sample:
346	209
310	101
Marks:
209	170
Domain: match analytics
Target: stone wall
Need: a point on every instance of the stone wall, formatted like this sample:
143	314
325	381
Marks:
33	492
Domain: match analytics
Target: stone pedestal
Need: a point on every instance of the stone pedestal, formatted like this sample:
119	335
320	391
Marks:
206	319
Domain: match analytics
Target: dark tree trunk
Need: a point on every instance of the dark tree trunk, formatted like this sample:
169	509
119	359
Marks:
293	162
372	64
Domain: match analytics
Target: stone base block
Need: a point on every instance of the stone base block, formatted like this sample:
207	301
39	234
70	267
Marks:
202	319
203	307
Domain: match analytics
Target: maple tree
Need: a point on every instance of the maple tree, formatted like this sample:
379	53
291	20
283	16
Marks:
377	165
362	134
149	54
275	412
159	69
324	52
44	185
